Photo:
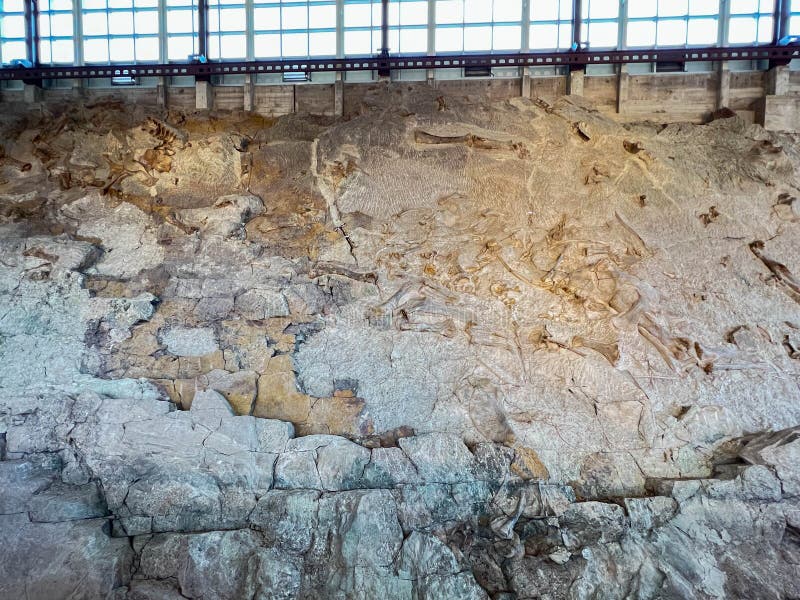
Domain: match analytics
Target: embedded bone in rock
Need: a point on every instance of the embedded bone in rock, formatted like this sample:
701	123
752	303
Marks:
440	349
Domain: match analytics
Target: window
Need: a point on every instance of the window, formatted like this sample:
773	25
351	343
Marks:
362	27
751	21
551	25
600	23
120	31
794	18
181	29
56	45
227	26
294	29
408	26
12	31
667	23
478	25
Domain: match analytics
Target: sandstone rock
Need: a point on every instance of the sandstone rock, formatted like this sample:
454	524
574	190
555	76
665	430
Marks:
439	458
227	216
129	244
781	452
239	388
188	341
261	304
62	502
389	468
278	397
287	518
58	560
341	464
484	334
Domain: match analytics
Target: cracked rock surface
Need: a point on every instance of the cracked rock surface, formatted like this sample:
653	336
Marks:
441	349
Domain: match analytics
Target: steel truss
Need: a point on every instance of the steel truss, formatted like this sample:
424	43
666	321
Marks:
775	54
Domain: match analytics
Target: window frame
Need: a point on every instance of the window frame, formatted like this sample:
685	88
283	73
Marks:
466	26
658	18
108	11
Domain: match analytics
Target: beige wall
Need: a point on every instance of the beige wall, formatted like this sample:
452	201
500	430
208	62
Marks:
664	97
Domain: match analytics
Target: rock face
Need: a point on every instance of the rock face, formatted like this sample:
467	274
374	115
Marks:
499	351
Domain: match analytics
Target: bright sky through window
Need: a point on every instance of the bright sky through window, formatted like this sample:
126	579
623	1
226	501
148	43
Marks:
126	31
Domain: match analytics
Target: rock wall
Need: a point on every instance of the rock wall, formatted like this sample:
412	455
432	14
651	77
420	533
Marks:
440	349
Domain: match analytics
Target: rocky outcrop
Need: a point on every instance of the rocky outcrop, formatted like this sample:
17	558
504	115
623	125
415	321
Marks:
491	351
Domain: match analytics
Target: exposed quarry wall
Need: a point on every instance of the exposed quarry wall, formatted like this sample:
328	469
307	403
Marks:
661	97
437	348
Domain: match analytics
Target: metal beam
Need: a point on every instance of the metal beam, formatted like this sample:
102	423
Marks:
781	20
577	16
32	31
383	69
202	28
543	59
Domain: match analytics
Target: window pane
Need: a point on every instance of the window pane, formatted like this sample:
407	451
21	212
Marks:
544	37
394	39
449	11
13	6
13	27
120	23
641	34
267	19
13	50
673	8
121	49
413	13
565	36
61	25
477	38
739	7
603	9
44	52
180	21
672	33
413	41
377	43
765	30
63	51
449	39
146	22
603	35
508	10
477	11
180	47
147	49
294	17
702	32
295	44
703	7
44	26
507	37
322	17
233	46
268	45
95	24
357	42
357	15
642	8
742	30
232	19
544	11
322	44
